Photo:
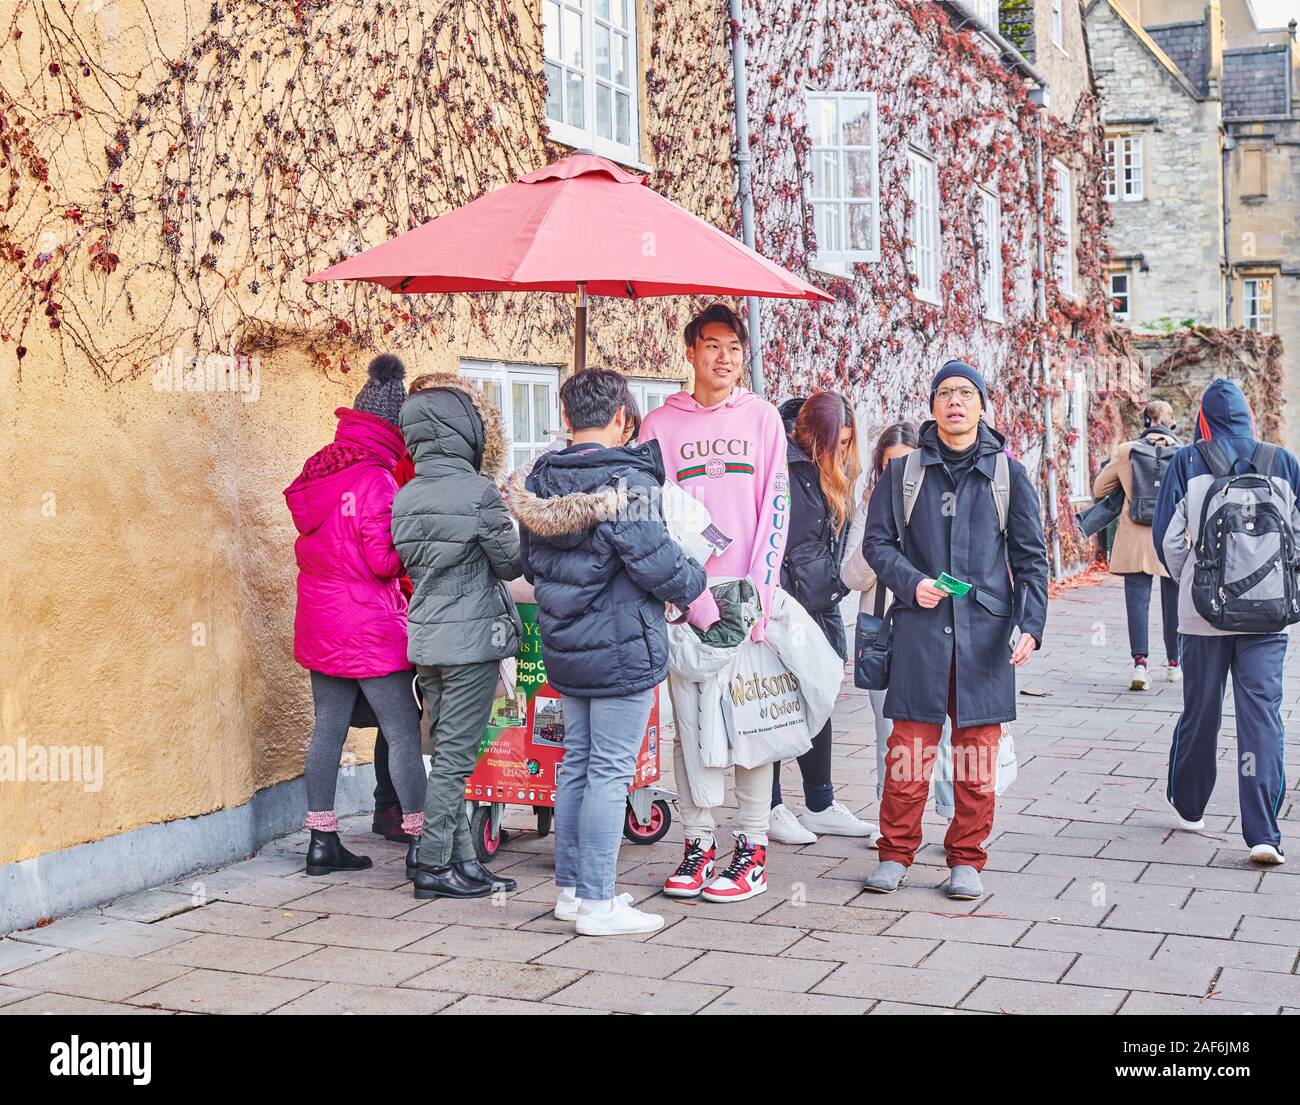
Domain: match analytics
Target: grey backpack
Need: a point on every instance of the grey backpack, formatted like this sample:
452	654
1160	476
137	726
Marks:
908	487
1244	579
1147	464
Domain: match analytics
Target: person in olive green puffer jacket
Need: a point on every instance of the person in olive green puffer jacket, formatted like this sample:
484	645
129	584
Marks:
459	547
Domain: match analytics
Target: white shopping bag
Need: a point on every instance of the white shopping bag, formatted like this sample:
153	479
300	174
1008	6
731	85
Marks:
763	708
1007	769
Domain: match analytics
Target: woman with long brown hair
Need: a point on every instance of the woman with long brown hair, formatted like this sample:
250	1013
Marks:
822	454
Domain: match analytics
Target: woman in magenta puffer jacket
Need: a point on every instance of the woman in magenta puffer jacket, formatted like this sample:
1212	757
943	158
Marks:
350	626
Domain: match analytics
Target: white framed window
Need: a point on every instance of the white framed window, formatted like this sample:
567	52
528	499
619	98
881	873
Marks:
923	253
1079	482
1257	303
1064	259
843	187
1120	306
989	255
591	84
650	394
987	10
1058	25
1123	167
528	397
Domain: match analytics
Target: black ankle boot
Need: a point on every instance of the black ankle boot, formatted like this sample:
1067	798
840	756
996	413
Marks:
387	822
412	858
447	882
476	872
327	854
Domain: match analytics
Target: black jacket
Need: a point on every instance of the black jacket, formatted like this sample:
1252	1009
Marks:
813	549
596	549
962	540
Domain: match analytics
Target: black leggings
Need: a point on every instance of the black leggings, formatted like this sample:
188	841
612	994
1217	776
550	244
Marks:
1137	598
815	767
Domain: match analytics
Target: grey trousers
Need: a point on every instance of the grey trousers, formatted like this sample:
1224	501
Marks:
459	700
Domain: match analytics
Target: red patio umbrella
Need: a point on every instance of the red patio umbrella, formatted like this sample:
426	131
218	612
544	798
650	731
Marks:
580	225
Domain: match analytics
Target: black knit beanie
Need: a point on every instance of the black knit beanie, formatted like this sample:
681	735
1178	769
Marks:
959	368
383	393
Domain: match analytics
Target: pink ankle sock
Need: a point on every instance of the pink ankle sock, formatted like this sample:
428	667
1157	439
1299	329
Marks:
325	821
412	824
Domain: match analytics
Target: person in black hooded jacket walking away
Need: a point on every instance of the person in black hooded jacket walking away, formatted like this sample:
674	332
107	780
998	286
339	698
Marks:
822	454
596	549
459	547
973	514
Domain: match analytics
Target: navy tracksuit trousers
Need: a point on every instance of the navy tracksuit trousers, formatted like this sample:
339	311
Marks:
1255	663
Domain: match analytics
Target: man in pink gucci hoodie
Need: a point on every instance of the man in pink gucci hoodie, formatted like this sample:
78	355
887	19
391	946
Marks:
726	447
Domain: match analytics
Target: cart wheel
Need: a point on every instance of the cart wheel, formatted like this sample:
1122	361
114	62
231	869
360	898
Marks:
545	818
480	827
661	818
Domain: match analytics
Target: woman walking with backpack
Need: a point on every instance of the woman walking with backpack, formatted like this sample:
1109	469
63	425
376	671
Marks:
822	454
1133	554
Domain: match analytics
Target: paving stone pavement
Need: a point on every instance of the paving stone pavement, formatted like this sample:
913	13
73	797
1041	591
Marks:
1095	904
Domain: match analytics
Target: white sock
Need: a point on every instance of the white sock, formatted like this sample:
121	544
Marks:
567	893
594	905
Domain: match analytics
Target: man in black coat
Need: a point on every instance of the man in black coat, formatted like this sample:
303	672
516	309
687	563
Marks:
953	654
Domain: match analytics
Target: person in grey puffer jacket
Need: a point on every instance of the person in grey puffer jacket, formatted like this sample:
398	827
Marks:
602	564
459	547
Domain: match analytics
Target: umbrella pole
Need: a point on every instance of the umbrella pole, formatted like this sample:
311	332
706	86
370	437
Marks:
580	330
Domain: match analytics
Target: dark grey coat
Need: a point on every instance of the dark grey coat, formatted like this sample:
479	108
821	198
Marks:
452	530
963	541
602	564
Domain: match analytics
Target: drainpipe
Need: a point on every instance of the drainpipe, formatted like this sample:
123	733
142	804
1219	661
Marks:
746	186
1228	145
1040	309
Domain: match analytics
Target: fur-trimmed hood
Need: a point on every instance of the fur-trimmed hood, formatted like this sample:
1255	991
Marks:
437	422
568	493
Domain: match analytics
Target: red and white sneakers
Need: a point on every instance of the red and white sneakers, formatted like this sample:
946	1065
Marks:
693	872
745	877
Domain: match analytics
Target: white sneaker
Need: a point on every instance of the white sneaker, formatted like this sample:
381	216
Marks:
836	820
1140	681
566	905
784	828
1174	672
1266	853
621	918
1183	823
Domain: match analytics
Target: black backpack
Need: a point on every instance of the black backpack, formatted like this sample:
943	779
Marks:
1148	463
1245	575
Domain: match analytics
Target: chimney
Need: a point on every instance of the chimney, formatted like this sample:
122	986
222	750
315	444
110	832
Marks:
1214	63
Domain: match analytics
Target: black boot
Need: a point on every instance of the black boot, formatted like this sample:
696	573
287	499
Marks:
412	857
476	872
327	854
387	822
447	882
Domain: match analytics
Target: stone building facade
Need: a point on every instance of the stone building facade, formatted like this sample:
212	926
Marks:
1217	155
173	180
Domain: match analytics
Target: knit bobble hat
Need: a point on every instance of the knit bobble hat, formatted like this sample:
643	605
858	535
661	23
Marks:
383	393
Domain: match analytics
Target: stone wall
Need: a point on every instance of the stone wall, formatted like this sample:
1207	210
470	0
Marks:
1177	227
1180	366
173	171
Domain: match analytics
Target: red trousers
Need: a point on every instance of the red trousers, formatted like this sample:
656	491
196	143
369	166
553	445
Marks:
913	747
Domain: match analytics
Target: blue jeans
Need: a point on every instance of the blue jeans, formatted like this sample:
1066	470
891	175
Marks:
602	737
